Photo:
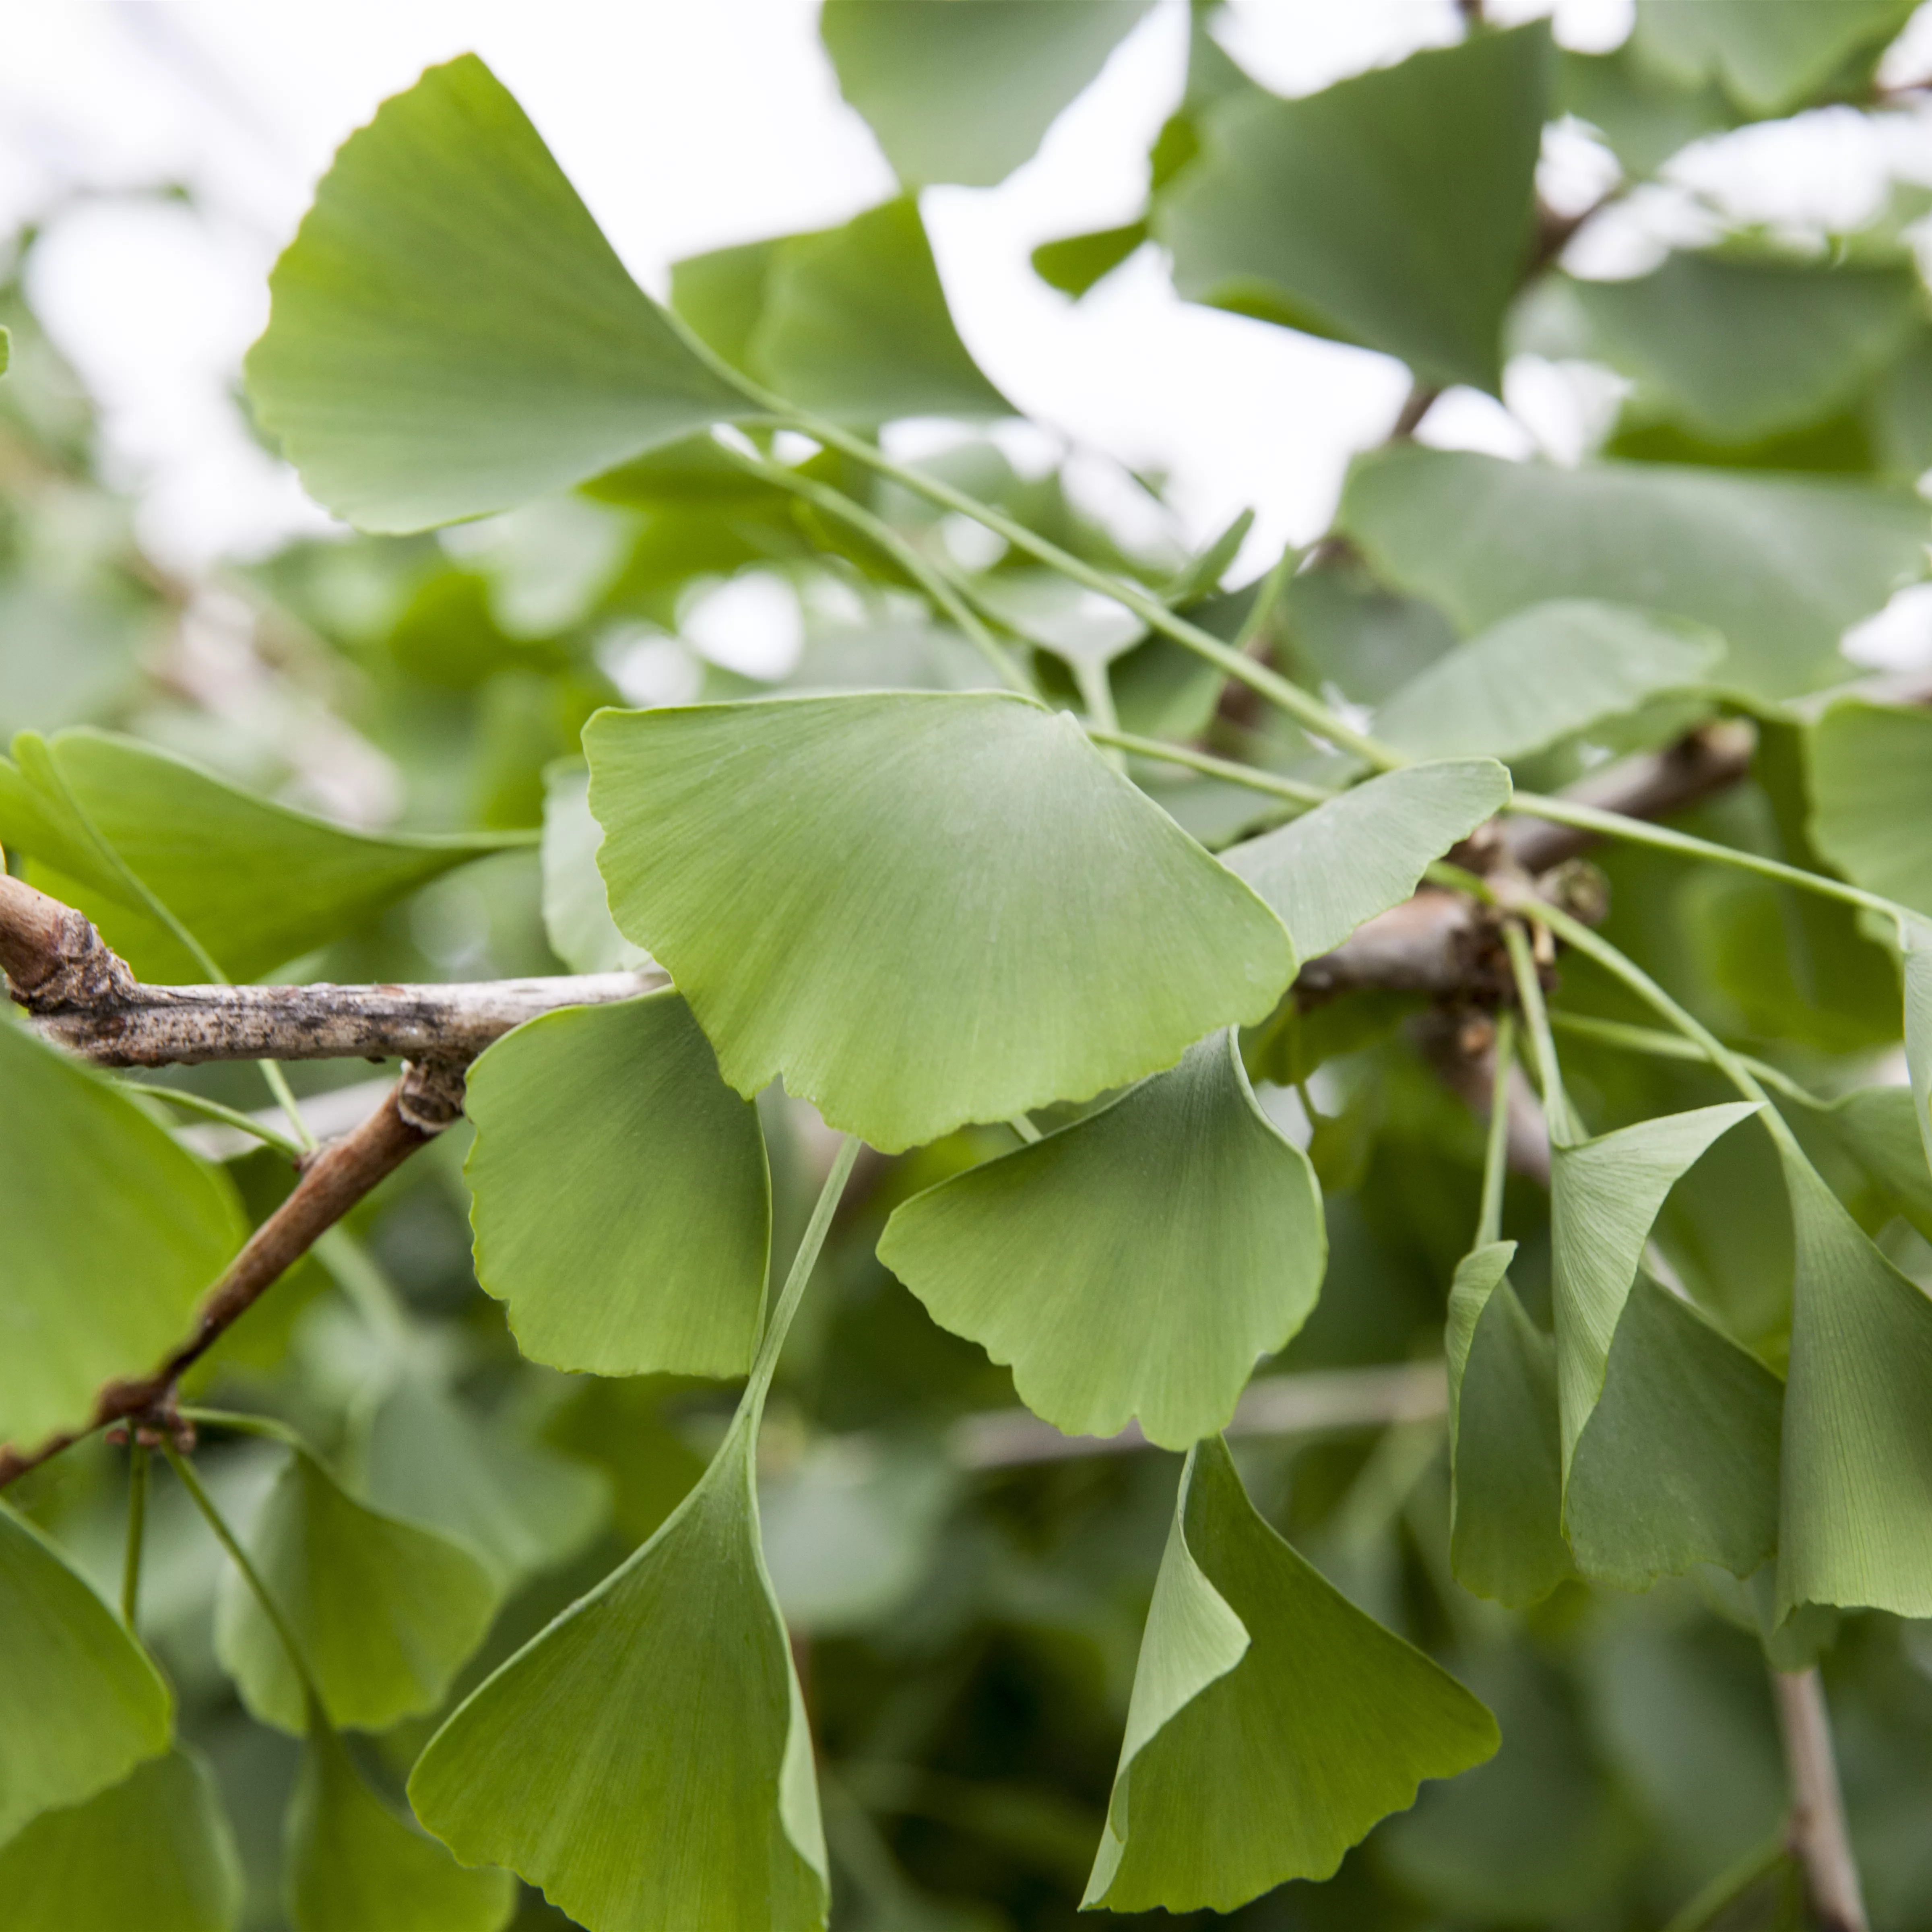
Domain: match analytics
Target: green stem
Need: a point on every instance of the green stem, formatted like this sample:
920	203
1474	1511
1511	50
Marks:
1543	1048
284	1097
234	1420
1163	753
1729	1884
802	1265
213	1110
1024	1128
1673	1046
1495	1151
1267	599
137	1525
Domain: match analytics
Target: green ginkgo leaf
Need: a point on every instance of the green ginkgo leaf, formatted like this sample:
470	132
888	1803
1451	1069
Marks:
450	334
1604	1194
1855	1524
219	858
1677	1464
1915	936
113	1232
1272	1722
576	916
1869	768
1326	872
1545	673
1132	1265
1393	209
155	1851
638	1248
1770	59
645	1760
385	1612
1879	1128
351	1864
80	1704
1505	1446
921	909
520	1506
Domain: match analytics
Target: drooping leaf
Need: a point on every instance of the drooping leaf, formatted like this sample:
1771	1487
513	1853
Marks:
855	893
964	92
1769	58
1393	209
221	858
80	1704
577	918
1134	1264
645	1760
1326	872
353	1865
1677	1464
1781	566
385	1613
112	1232
450	334
520	1506
1505	1446
155	1851
850	321
1855	1523
1869	770
1547	672
1604	1194
1272	1722
639	1247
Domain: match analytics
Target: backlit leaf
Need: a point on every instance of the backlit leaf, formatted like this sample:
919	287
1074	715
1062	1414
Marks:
1272	1722
1869	769
1856	1520
1545	674
577	918
638	1247
155	1851
1604	1194
1677	1464
113	1231
1134	1264
1394	209
1769	58
1781	566
385	1613
856	893
450	333
1326	872
80	1704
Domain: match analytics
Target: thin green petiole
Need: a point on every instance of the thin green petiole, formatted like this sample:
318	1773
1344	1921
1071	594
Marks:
1495	1151
213	1110
137	1525
803	1264
284	1098
264	1426
1673	1046
1161	752
1729	1886
1024	1128
1543	1048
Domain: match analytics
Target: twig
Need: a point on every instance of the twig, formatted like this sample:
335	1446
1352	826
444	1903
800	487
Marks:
1817	1832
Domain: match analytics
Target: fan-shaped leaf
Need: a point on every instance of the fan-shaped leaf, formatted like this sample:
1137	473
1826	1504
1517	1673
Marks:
1272	1722
1134	1264
1506	1451
623	1207
80	1705
1394	209
112	1232
385	1613
576	916
1326	872
1677	1464
920	909
1869	772
451	334
1855	1524
353	1865
1547	672
1769	58
1604	1194
155	1851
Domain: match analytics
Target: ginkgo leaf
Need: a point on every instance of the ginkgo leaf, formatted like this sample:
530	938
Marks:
1326	872
113	1231
1547	672
351	1864
576	916
1677	1464
1869	770
964	92
219	858
639	1249
1393	209
1505	1447
1604	1194
155	1851
921	909
80	1704
450	334
385	1612
520	1506
1134	1264
1916	938
1272	1722
1856	1524
1769	58
645	1760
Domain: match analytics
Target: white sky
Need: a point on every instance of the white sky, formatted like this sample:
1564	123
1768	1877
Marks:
686	126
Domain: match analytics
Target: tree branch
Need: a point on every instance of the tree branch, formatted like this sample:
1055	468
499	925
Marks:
1817	1832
